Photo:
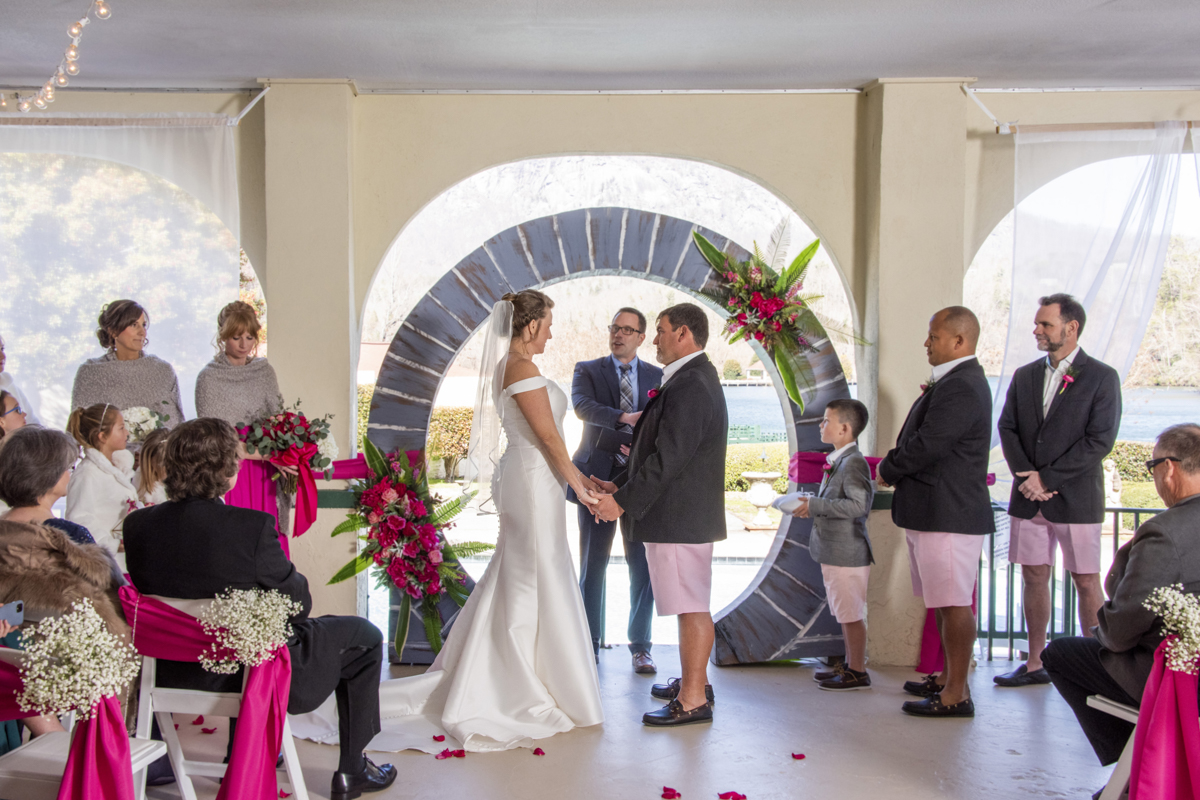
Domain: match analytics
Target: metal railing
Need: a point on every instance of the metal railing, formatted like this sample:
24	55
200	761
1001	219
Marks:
752	434
1001	622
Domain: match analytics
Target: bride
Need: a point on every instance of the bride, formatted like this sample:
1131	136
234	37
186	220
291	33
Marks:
517	664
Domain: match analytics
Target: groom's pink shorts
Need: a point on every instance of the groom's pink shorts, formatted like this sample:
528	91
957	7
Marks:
681	577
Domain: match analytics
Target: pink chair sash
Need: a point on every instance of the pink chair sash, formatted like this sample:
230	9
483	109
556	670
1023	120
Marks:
98	763
350	469
1166	742
160	631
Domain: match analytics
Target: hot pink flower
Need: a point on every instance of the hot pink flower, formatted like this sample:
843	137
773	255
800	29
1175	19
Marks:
435	556
390	495
417	509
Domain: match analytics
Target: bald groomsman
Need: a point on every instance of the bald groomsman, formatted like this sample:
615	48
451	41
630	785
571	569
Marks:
1060	420
939	468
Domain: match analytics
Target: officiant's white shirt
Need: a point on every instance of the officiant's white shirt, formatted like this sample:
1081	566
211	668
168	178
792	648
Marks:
677	364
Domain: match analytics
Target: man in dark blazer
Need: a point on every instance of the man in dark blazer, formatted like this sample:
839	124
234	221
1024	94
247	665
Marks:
1060	420
939	468
1115	662
609	394
195	547
671	496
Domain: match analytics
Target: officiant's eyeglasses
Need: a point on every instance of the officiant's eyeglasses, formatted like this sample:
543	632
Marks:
623	329
1151	464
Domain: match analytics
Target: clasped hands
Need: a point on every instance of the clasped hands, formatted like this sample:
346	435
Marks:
599	495
1033	488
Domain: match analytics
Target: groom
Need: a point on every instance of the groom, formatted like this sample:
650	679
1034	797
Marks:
671	496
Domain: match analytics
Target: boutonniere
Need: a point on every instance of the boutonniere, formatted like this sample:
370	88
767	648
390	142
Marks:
653	393
1068	377
927	387
828	468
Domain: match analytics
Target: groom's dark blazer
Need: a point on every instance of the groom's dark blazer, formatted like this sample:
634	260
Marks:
939	465
1067	446
673	488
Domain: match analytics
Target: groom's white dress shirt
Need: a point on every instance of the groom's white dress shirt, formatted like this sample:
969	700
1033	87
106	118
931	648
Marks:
677	364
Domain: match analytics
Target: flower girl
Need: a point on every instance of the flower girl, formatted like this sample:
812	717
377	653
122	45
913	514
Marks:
101	491
148	480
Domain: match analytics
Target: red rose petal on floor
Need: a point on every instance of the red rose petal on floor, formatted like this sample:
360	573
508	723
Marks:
670	794
198	720
459	753
283	794
444	754
176	726
539	751
439	738
208	730
731	796
798	756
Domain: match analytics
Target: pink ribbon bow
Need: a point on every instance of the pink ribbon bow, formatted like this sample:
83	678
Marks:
306	484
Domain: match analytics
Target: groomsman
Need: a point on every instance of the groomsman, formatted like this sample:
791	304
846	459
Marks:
939	468
609	394
1060	420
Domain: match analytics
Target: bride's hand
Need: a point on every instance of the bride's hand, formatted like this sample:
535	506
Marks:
590	485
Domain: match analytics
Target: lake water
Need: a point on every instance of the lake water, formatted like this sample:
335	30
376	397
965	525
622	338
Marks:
1146	411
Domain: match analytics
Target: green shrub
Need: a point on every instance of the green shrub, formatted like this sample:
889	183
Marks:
1131	458
365	392
449	436
1140	494
741	458
732	370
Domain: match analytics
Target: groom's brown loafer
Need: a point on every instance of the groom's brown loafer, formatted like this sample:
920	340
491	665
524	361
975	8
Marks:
673	714
643	664
670	690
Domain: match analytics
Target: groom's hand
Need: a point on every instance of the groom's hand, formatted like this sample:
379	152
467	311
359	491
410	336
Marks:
605	486
608	509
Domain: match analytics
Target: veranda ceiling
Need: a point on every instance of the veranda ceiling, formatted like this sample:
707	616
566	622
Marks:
608	44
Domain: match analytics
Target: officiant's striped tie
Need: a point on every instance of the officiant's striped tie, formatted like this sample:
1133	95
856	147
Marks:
626	404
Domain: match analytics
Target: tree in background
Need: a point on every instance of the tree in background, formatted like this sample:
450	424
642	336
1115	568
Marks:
1170	351
449	436
732	370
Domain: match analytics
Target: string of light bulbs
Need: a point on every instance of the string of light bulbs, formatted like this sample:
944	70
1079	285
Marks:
67	68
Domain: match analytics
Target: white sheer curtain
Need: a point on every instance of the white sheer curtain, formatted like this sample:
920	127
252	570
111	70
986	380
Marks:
102	207
1093	217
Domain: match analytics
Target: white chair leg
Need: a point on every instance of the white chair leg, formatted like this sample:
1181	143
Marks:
291	765
166	724
1120	774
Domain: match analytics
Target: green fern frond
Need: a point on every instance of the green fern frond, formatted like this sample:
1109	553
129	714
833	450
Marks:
462	550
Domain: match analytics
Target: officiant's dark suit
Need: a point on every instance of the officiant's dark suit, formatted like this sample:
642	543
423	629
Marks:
673	489
939	465
596	396
1066	446
197	548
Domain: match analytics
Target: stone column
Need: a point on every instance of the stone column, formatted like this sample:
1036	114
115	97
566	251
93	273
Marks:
911	222
310	289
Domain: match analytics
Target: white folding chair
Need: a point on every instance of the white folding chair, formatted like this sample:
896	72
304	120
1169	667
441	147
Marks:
34	770
159	703
1120	774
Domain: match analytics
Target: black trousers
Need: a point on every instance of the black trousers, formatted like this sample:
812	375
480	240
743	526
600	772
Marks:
1074	666
595	544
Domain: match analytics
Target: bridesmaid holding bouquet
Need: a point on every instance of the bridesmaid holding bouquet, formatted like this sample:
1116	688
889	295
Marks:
240	387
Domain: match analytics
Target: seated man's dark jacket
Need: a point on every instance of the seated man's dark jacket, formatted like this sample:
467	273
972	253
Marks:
939	465
1066	446
195	549
1164	551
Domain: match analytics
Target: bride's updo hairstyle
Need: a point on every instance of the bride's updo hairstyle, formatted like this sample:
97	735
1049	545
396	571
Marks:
116	317
528	306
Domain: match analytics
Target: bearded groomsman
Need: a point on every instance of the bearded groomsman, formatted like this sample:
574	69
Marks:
1060	420
609	394
939	468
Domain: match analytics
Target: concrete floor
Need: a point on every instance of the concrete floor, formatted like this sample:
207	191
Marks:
1023	743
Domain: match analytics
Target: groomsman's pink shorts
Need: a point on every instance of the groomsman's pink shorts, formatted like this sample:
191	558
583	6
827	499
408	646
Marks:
681	577
1031	542
944	566
846	591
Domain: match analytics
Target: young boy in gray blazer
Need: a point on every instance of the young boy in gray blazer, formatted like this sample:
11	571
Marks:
839	541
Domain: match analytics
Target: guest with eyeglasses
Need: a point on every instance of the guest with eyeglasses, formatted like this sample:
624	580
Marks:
609	394
36	464
9	384
1165	550
12	415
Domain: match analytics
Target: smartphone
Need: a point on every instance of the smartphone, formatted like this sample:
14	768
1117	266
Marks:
13	613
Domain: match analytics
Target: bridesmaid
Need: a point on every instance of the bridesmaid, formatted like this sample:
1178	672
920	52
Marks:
125	376
240	388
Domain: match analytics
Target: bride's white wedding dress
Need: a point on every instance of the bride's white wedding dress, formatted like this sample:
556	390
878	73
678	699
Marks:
517	664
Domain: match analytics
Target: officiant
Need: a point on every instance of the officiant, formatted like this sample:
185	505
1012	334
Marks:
609	394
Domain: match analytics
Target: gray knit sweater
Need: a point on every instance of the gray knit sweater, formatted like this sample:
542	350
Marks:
147	381
238	395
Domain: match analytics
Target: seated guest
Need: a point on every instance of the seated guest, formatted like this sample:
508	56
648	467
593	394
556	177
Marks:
9	384
35	470
12	417
195	547
1164	551
148	479
100	493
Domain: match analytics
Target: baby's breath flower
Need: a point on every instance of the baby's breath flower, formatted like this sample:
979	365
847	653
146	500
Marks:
249	626
1180	613
72	662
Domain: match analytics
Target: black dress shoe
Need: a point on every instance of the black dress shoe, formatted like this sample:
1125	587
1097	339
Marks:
643	664
932	707
926	687
673	714
670	690
1021	676
827	674
370	779
847	681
